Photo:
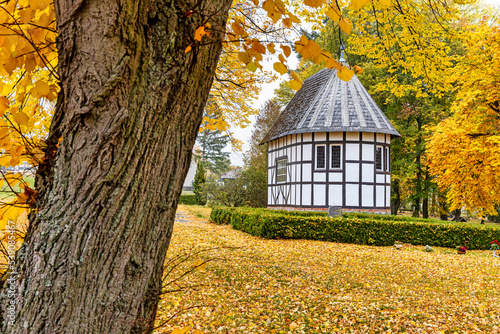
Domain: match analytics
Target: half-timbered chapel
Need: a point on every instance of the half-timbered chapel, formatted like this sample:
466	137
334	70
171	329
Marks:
330	146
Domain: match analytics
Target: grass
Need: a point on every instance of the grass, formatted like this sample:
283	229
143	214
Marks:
6	192
252	285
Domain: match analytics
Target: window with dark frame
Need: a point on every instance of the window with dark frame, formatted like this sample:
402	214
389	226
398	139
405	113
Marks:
281	170
378	158
336	156
387	159
320	157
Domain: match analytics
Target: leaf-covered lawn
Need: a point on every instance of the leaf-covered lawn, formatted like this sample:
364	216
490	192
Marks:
252	285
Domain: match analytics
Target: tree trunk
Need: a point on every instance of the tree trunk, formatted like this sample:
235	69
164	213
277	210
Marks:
395	197
119	148
458	213
418	182
443	205
416	206
425	207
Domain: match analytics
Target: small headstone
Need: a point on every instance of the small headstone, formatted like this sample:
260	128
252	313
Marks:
334	211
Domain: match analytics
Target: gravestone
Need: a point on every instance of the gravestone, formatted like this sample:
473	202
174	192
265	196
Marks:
334	211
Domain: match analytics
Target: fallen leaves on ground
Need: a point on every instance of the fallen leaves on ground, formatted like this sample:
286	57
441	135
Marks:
252	285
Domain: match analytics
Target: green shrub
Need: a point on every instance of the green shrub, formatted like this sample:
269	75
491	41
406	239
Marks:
188	200
365	229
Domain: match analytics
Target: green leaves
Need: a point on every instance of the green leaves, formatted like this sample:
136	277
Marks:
380	230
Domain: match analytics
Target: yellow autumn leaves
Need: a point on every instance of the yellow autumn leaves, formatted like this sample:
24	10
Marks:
252	49
464	150
255	285
28	89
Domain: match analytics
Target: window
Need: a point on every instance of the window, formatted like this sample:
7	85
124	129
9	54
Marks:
387	159
378	158
336	156
320	157
281	170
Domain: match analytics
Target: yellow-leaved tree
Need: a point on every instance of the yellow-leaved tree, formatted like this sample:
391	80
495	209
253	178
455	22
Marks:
464	151
28	61
132	80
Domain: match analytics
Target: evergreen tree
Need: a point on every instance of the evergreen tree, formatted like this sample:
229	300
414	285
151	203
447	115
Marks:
212	142
199	183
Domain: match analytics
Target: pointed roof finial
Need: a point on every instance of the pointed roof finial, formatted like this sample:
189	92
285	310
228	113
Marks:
342	48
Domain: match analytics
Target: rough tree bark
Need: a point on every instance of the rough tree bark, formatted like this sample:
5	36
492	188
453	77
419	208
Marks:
395	197
119	147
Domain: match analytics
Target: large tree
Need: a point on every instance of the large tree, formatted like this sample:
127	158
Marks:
134	77
127	114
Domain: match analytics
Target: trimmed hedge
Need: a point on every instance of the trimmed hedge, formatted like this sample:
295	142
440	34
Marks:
188	199
365	229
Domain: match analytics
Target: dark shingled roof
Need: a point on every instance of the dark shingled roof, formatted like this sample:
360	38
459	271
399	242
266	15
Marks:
327	104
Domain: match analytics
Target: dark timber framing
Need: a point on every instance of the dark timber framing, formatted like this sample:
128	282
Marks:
288	146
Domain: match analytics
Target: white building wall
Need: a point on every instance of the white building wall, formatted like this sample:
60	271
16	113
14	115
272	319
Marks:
357	184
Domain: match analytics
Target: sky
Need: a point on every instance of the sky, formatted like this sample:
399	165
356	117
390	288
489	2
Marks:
267	92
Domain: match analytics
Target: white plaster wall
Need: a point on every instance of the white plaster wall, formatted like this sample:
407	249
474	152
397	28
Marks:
352	172
319	194
368	152
306	172
367	195
319	177
335	177
306	194
307	154
367	173
335	194
380	196
351	194
303	173
352	152
298	193
387	196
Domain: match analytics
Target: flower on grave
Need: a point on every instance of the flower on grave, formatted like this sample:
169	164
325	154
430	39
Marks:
428	248
462	249
494	245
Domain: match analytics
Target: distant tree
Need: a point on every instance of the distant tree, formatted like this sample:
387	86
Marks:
464	150
199	184
211	154
254	175
232	192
